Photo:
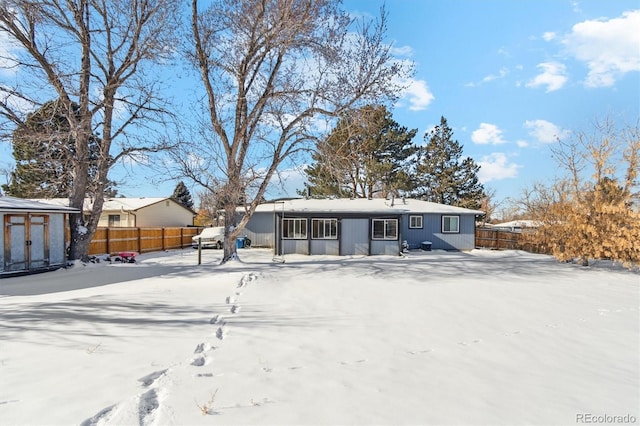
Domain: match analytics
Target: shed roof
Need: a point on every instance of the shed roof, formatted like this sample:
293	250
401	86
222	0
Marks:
363	205
23	205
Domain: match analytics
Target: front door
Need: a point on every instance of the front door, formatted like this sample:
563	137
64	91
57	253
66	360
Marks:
26	242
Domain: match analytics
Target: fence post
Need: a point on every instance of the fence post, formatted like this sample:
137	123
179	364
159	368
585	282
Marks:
163	236
107	238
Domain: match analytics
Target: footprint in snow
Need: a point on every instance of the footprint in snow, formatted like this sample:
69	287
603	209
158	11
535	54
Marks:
357	361
476	341
100	418
235	309
147	406
216	319
200	361
425	351
203	347
230	300
220	333
247	279
149	379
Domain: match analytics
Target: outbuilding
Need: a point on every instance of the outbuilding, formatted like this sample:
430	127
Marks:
361	226
32	237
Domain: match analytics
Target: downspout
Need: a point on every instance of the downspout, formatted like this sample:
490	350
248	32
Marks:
130	212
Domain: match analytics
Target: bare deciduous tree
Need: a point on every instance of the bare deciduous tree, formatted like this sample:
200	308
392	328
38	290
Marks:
270	69
93	56
592	212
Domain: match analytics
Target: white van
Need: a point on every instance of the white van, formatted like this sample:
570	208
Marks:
210	238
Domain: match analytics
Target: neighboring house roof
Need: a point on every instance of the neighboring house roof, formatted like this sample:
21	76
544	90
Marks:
23	205
117	204
517	224
362	205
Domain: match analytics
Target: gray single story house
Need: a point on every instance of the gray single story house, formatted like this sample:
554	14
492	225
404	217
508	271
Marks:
360	226
32	237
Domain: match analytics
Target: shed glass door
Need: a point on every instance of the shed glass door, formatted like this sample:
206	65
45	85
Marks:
38	244
26	243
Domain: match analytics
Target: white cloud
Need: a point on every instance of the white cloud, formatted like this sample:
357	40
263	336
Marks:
522	143
496	166
8	59
576	6
491	77
548	36
544	131
501	74
286	182
553	76
402	51
608	47
487	134
418	95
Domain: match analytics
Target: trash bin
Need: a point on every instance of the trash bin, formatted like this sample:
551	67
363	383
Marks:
425	245
240	241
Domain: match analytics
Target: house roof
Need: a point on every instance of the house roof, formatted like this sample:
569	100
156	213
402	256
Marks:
24	205
522	223
363	205
116	204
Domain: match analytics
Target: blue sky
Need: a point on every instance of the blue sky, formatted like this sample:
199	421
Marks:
510	77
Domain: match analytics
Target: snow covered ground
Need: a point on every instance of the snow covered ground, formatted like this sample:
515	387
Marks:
431	338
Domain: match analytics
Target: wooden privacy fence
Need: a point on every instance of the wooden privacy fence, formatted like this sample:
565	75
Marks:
505	240
142	240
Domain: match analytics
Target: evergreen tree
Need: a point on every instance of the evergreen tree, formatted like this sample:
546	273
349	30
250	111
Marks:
440	174
365	156
182	195
43	148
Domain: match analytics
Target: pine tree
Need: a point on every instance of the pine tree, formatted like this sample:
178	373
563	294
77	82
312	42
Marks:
43	149
365	156
441	176
182	195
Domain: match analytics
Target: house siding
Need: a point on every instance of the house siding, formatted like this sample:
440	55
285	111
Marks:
390	247
261	229
295	246
331	247
354	236
164	213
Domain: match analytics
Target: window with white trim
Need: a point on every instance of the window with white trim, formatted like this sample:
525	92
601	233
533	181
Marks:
450	224
384	229
415	222
114	220
294	229
324	229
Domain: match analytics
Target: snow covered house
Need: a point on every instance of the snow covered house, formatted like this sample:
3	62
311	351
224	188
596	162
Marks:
360	226
32	236
140	212
516	225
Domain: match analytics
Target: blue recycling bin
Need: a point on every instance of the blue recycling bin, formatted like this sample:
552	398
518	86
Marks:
240	242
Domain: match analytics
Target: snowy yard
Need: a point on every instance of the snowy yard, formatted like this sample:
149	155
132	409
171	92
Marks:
432	338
